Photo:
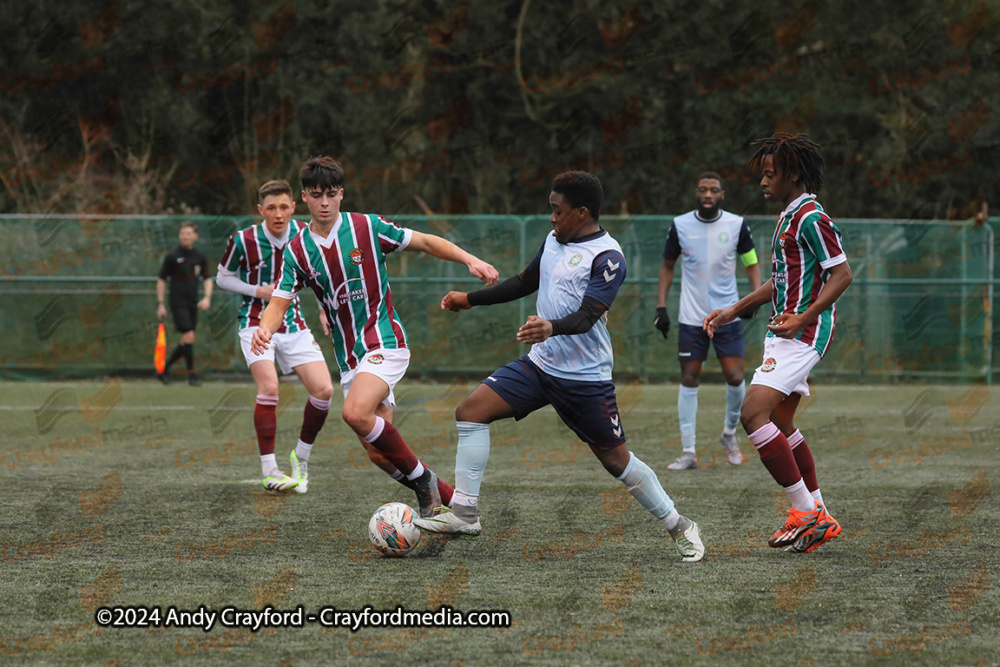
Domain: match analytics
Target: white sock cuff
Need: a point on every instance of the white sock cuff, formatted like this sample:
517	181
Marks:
471	427
462	498
319	404
795	439
671	520
377	431
264	399
689	391
416	472
764	435
633	461
801	484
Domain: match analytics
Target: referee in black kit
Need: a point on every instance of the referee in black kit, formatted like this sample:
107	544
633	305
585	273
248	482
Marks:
185	266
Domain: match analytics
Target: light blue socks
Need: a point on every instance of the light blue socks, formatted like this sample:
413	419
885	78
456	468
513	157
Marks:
687	411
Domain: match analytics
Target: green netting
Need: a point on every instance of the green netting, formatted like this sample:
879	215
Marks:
78	298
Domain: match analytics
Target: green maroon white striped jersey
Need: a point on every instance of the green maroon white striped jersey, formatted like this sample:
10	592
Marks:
347	272
806	245
256	257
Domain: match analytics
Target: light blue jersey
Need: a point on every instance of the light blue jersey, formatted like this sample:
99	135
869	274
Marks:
592	266
709	250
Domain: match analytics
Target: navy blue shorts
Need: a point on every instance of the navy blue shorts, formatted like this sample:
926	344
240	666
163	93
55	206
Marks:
588	408
692	342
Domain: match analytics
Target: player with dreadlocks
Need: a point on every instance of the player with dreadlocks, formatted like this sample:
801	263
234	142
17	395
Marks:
809	271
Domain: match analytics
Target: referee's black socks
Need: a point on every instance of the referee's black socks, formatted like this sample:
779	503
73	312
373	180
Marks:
175	355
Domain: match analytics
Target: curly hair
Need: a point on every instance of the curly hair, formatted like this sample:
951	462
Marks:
791	154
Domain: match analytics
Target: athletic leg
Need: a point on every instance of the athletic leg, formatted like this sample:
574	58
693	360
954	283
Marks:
315	378
265	423
511	391
732	369
367	392
784	418
687	413
590	409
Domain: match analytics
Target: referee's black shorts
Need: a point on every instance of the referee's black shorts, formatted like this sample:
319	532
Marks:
185	314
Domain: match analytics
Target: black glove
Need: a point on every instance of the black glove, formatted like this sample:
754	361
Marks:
662	321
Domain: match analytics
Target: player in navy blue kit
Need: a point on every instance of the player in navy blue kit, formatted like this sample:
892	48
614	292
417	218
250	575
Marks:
577	274
707	240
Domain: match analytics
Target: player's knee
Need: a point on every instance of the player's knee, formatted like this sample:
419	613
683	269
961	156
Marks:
359	420
467	412
734	378
786	428
267	388
323	393
749	416
614	460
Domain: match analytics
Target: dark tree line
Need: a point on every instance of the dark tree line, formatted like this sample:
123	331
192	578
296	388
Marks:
463	106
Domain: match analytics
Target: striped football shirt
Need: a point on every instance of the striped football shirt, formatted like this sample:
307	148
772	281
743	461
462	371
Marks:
806	245
347	272
256	257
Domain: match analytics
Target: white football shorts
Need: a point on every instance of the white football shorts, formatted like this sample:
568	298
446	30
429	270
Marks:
390	365
290	349
786	365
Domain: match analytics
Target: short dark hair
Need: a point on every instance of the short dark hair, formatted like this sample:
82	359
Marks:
711	174
322	172
791	153
273	189
580	188
189	223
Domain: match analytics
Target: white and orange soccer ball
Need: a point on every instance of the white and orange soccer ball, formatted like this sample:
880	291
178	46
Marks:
391	530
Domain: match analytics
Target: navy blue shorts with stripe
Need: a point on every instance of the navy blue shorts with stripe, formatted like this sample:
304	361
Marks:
588	408
692	342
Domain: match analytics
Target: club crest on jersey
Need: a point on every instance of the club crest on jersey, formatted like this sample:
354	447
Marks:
376	359
723	237
786	238
768	365
575	260
356	256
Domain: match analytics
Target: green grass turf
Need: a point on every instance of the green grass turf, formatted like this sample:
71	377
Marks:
853	601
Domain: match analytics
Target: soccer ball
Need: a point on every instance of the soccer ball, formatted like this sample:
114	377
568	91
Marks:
391	530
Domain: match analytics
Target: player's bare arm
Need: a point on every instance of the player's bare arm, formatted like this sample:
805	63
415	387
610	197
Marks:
270	321
161	291
666	280
753	275
722	316
446	250
788	325
455	302
206	301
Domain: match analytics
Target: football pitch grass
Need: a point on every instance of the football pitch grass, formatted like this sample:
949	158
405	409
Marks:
131	493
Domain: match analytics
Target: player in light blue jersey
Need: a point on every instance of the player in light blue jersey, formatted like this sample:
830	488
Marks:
708	240
577	274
